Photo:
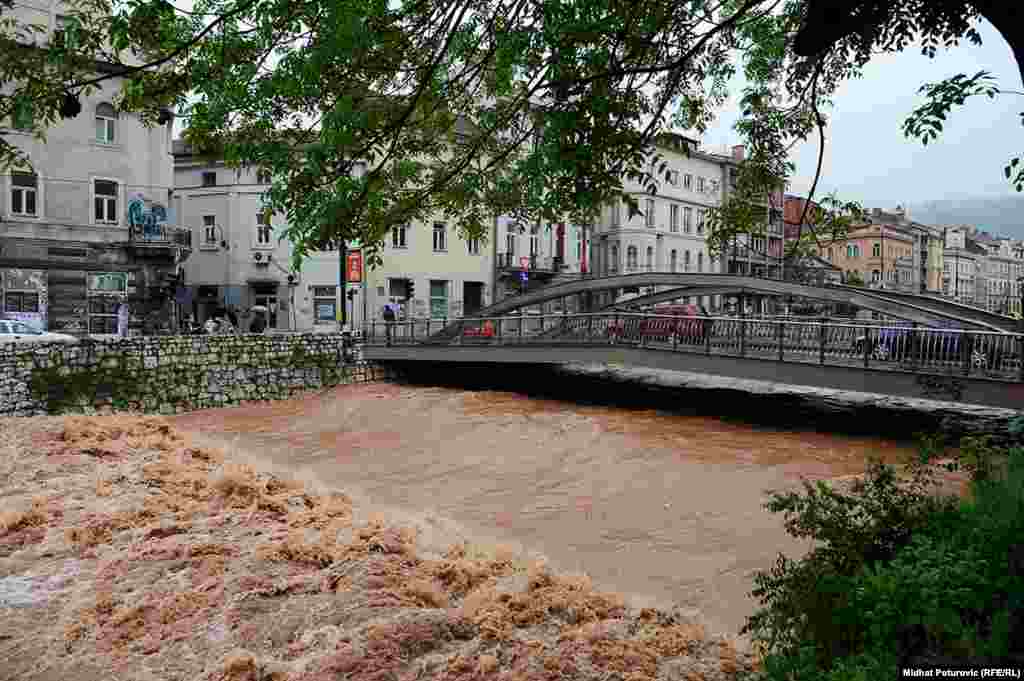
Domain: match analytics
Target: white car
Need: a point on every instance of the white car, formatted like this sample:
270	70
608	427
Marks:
12	331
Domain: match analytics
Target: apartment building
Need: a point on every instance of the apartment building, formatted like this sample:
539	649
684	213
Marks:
668	234
881	256
450	276
961	263
527	256
89	225
759	254
242	261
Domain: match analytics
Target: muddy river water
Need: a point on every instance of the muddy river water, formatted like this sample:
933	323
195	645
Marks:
659	506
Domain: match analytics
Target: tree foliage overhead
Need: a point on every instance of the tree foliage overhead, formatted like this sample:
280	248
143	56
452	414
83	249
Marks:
474	108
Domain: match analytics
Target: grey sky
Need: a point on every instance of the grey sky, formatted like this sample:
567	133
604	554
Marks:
868	159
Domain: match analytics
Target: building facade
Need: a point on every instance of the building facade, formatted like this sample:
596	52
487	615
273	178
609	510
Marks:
89	225
669	233
242	261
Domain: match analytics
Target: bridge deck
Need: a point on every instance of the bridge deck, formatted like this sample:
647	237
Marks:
975	367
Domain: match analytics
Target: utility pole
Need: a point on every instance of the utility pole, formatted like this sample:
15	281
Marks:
342	284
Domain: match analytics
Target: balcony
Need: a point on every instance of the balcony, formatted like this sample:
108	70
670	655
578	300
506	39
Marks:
158	235
510	263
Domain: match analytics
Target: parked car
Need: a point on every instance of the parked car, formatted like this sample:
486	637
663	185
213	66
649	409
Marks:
12	331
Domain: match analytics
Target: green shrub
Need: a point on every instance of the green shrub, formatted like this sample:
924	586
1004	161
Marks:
899	575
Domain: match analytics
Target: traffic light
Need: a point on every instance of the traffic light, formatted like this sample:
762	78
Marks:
410	289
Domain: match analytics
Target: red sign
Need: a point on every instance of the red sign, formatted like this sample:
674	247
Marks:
355	267
524	262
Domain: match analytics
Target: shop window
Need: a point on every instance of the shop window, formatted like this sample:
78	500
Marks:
325	303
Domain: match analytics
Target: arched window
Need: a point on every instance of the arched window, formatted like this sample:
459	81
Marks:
700	262
673	261
650	258
106	124
876	250
631	258
614	264
686	261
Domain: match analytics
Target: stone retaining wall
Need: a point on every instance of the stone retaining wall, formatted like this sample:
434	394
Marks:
170	374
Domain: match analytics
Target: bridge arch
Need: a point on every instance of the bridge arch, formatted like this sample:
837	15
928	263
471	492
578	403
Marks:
918	309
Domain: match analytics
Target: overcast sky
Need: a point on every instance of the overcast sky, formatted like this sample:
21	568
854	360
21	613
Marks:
868	159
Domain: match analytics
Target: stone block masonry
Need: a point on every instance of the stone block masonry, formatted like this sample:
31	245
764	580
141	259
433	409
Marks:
170	374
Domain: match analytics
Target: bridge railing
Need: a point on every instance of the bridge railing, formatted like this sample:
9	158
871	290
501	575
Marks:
868	345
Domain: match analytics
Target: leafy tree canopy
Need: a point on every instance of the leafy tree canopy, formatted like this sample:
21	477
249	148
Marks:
472	108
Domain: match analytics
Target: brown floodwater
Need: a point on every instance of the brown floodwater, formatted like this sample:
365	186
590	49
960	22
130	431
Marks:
660	506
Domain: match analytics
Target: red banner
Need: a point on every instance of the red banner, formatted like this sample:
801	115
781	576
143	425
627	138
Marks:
355	267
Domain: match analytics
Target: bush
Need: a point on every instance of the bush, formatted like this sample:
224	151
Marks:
899	575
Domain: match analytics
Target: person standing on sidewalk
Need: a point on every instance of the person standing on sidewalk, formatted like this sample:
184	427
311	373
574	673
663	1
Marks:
390	314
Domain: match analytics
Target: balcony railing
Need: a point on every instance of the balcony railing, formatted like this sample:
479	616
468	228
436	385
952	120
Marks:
533	263
160	235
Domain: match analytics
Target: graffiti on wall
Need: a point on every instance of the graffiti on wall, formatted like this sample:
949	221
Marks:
148	215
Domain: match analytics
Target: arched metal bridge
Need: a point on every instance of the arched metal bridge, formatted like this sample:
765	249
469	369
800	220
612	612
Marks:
921	309
981	362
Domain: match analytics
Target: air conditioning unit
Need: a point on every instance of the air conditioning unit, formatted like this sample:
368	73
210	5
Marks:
259	258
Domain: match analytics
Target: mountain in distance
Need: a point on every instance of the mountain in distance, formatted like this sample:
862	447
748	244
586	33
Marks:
999	216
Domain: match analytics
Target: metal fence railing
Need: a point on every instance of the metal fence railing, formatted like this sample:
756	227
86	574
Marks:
899	347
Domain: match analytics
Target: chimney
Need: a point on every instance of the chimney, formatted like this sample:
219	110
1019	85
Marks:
738	152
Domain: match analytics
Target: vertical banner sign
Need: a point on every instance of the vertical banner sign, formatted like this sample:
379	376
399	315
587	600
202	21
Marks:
355	266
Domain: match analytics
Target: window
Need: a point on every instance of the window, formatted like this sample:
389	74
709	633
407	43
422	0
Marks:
105	201
687	220
650	213
534	240
631	259
830	254
579	244
510	239
263	177
702	214
616	213
21	301
325	303
440	237
673	218
673	178
398	236
852	251
700	185
650	259
876	250
613	266
686	261
263	228
687	181
700	262
673	261
876	275
210	179
438	298
103	314
473	246
106	122
397	289
23	193
210	230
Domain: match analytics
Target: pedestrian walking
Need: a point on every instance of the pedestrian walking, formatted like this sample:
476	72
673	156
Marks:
705	324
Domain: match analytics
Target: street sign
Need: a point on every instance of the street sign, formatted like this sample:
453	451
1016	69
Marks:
524	262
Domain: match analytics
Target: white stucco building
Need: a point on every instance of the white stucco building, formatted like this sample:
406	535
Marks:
241	261
669	234
88	225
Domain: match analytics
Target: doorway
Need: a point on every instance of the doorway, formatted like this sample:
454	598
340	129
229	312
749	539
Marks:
472	297
266	295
